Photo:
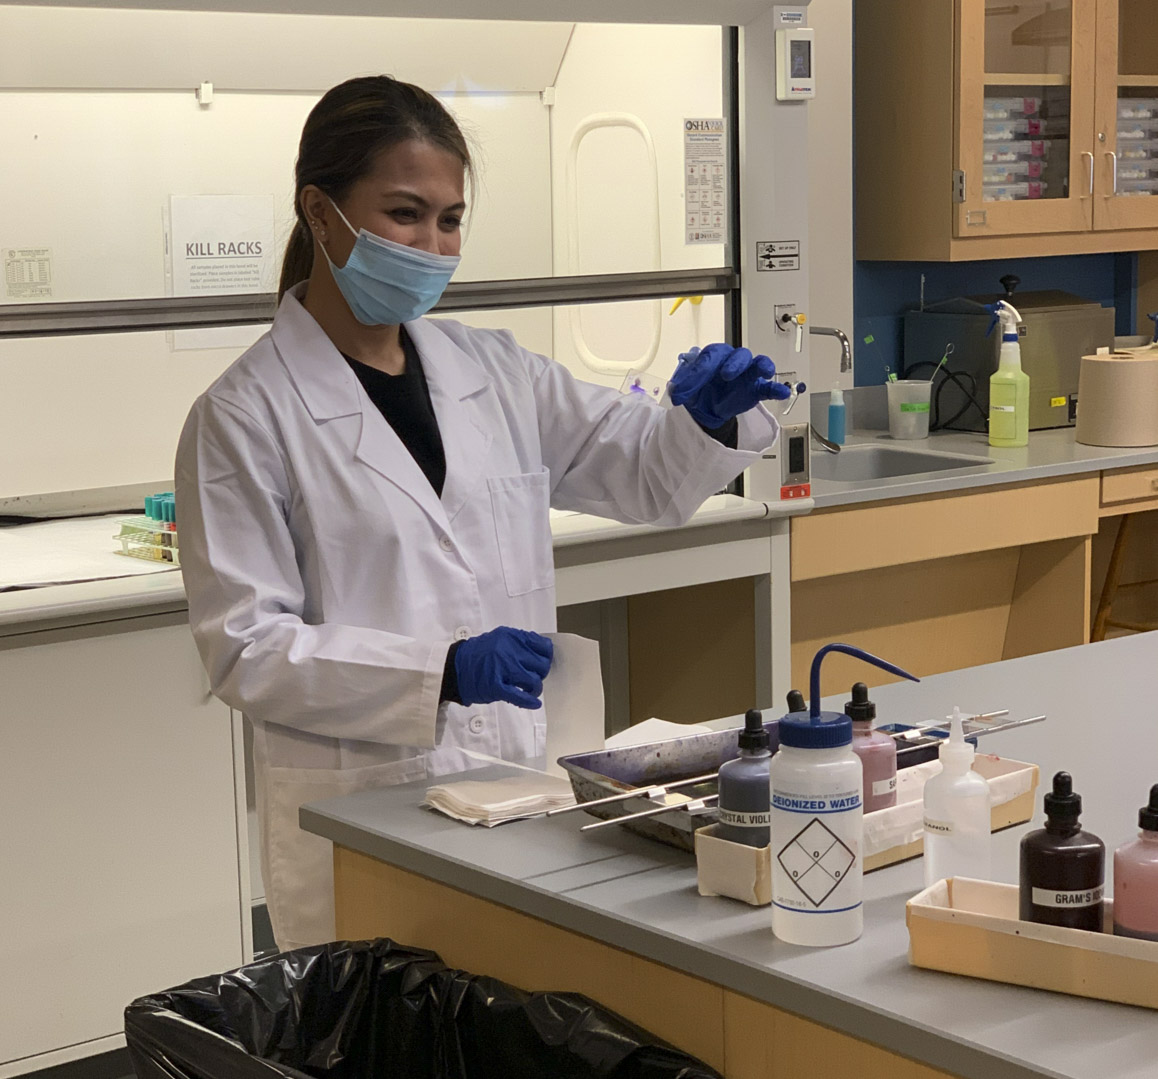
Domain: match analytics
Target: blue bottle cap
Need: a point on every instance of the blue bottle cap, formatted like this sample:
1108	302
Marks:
829	730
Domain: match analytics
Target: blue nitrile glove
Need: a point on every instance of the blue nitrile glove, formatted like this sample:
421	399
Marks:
719	383
503	664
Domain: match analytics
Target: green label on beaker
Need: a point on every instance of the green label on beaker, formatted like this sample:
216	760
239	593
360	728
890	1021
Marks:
915	406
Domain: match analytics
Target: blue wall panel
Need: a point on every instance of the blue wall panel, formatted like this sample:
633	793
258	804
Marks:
883	291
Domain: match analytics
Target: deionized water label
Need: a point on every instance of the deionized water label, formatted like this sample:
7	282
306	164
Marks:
885	786
817	850
744	820
1056	897
939	827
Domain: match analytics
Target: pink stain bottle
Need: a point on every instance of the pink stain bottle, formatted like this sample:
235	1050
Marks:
1136	878
877	752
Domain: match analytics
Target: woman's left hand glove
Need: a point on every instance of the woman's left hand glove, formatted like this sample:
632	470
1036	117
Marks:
719	383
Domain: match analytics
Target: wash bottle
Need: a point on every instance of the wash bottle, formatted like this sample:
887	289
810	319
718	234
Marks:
1009	384
957	817
817	821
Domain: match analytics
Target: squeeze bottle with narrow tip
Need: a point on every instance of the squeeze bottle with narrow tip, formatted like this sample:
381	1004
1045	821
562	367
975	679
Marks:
1008	385
957	814
817	821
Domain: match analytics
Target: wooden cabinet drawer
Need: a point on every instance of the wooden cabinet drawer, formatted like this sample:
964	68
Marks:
1129	484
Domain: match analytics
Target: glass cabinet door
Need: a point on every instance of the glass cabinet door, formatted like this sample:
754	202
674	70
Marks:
1127	115
1025	116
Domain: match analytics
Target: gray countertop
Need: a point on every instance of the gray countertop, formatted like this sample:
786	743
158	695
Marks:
1048	455
641	897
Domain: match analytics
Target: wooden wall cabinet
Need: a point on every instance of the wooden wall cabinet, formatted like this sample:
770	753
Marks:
986	129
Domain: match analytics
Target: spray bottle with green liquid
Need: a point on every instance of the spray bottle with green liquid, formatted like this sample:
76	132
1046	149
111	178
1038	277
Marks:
1009	384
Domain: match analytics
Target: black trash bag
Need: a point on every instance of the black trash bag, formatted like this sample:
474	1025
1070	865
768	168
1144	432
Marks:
378	1010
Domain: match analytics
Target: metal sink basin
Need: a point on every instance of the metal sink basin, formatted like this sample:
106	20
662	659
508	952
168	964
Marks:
855	464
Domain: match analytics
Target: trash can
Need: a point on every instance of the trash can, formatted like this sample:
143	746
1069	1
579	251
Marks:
362	1009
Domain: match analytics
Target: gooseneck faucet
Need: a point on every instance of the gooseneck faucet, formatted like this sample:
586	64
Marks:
845	347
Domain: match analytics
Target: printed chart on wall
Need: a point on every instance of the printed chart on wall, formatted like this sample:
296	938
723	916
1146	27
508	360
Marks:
220	245
27	273
705	182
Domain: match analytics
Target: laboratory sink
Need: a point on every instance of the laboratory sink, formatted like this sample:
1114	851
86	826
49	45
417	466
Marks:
856	464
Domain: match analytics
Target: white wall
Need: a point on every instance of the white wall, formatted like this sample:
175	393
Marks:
830	188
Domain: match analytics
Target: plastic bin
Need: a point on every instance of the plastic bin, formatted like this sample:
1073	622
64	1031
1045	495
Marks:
1137	187
1004	152
1013	192
1010	108
1137	130
356	1010
1013	130
1142	150
1011	173
1137	108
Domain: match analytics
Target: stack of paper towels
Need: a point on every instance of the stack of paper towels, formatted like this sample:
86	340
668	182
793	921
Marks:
1118	399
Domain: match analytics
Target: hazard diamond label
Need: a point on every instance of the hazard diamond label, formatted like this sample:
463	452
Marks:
816	861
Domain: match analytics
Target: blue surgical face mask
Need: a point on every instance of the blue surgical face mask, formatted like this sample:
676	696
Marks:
387	283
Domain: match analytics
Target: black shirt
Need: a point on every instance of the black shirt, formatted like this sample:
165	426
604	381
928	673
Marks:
404	401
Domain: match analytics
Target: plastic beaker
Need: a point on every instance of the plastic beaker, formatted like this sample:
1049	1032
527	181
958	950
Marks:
909	408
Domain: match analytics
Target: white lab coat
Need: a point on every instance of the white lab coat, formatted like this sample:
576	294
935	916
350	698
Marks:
326	579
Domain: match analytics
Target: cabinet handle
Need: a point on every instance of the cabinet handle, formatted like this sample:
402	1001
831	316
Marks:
1090	155
1114	158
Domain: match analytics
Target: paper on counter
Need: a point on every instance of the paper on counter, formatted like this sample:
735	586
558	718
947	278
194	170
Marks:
573	699
495	801
66	552
654	730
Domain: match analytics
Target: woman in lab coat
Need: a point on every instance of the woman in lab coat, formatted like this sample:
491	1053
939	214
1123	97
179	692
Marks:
363	496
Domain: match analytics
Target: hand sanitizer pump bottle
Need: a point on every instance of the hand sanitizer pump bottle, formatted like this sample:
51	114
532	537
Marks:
1009	384
957	814
817	821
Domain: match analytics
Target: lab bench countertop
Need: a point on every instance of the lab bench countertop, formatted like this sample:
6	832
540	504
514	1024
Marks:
1049	454
92	601
641	897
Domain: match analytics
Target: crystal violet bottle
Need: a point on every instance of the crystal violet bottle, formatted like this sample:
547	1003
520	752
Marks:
1063	868
744	797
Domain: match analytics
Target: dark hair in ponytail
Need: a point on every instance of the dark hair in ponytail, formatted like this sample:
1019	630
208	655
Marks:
344	133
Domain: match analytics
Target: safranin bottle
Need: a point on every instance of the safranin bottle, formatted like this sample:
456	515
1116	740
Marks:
1063	869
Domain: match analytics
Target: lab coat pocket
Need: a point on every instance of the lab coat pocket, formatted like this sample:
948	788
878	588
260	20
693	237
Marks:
522	509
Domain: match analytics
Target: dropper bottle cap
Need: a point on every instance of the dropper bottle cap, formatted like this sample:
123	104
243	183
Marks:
1062	805
796	701
957	754
1148	815
753	736
860	709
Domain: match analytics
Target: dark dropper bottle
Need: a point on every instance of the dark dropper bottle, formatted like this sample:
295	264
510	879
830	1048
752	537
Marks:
1063	869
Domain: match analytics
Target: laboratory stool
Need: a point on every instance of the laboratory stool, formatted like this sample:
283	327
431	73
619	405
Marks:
1102	620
